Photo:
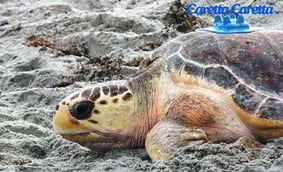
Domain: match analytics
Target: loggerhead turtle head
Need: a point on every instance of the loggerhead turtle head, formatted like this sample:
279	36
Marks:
96	116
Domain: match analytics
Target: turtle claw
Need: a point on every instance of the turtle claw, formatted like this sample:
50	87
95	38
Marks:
247	142
168	135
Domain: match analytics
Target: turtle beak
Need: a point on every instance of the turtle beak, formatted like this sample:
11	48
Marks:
79	131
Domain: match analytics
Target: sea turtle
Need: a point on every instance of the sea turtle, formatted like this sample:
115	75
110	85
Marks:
200	87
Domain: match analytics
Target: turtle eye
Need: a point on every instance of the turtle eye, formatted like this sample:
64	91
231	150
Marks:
82	110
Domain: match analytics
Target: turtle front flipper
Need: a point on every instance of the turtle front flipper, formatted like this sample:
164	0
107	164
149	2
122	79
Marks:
168	135
193	118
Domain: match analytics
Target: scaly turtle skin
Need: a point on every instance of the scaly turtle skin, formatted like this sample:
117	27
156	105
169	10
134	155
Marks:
200	87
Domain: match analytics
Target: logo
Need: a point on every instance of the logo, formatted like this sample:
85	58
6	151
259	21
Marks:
235	9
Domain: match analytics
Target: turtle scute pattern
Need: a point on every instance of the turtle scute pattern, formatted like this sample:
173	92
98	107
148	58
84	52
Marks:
248	64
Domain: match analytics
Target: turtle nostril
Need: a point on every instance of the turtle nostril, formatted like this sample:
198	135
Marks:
82	110
57	107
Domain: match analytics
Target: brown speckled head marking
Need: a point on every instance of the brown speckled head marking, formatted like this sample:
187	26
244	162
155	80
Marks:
95	94
103	102
105	90
96	111
115	100
122	88
87	92
114	90
92	121
127	97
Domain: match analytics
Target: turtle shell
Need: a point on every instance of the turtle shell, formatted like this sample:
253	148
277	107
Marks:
250	65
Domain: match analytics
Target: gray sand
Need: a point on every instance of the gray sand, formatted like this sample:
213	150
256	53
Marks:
48	50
